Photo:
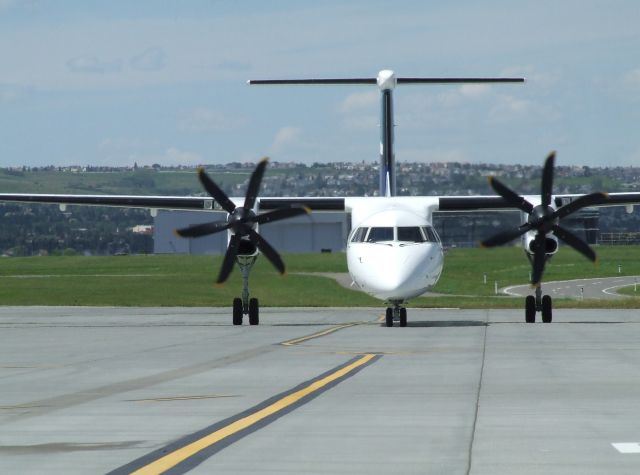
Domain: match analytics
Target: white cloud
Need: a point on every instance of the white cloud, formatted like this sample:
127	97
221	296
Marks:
359	110
175	156
202	119
113	145
126	151
475	90
12	93
93	64
534	78
286	137
361	122
509	108
7	4
632	79
152	59
358	101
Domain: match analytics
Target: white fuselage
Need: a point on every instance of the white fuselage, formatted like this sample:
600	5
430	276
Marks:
393	253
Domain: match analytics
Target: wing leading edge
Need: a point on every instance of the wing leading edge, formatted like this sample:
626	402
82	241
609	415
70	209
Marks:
170	202
479	203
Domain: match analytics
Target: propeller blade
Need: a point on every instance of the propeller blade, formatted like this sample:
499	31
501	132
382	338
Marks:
229	258
202	229
282	213
582	202
575	242
511	197
506	236
215	191
539	258
269	252
254	184
547	179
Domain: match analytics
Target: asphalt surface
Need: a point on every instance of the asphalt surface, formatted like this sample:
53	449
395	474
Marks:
598	288
96	390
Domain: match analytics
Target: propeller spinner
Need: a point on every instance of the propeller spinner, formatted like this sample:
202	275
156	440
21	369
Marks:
543	219
241	221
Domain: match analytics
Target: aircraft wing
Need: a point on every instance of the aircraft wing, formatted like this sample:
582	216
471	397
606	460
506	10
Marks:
171	202
471	203
194	203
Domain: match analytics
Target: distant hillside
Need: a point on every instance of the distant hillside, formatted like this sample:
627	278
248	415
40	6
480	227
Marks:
36	229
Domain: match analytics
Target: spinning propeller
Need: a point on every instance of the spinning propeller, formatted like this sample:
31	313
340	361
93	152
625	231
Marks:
242	221
544	219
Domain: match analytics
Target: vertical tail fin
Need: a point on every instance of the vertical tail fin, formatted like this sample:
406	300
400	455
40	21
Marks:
386	81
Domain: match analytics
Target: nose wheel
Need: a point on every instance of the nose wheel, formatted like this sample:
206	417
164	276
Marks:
539	303
396	313
245	305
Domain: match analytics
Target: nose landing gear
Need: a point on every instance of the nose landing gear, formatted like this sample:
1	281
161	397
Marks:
397	313
245	305
539	303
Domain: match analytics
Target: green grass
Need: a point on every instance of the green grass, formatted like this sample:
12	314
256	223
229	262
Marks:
179	280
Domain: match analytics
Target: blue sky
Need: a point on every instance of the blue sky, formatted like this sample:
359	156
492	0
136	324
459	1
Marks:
165	82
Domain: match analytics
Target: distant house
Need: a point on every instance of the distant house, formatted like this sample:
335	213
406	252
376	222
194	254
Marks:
142	229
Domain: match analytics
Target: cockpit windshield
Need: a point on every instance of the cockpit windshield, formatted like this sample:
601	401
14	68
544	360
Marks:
403	234
380	234
410	234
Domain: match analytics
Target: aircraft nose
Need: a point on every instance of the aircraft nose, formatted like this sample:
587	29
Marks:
397	271
394	277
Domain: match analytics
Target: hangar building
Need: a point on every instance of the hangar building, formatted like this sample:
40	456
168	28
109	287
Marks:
313	233
328	231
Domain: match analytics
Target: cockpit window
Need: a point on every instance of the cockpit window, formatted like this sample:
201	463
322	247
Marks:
431	234
410	234
359	235
380	234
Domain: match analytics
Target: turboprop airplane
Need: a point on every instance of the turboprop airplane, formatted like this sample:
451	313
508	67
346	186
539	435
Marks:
393	252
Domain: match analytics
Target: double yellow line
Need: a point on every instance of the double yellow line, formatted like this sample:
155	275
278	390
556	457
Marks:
297	341
288	401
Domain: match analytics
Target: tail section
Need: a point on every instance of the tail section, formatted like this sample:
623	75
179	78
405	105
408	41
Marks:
386	81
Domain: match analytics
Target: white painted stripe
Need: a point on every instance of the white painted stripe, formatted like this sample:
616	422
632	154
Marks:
514	290
627	447
511	290
611	290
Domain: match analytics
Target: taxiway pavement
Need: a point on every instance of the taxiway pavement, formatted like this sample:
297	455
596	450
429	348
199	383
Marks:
597	288
99	390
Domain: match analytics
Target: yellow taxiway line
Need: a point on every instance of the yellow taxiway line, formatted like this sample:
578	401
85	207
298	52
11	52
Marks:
181	454
328	331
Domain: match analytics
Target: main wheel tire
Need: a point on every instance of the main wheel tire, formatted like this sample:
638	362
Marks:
389	317
547	309
403	317
530	309
254	312
237	311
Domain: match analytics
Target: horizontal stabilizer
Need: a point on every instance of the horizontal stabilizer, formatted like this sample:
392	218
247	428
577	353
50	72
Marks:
457	80
314	81
354	81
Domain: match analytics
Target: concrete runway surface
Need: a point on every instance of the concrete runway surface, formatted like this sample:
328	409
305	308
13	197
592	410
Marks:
181	390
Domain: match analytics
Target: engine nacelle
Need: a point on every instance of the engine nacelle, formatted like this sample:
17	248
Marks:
245	247
550	244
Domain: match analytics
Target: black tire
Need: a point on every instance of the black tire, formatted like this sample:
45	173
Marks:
389	317
530	309
547	313
237	311
254	312
403	317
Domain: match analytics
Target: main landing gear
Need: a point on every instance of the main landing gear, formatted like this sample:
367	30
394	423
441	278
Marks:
396	313
245	305
539	303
